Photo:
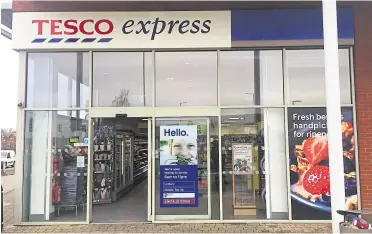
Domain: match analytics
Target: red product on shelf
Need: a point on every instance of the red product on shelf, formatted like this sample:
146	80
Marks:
56	193
202	184
57	164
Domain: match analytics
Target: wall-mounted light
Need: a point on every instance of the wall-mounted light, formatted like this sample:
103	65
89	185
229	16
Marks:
230	121
296	101
236	118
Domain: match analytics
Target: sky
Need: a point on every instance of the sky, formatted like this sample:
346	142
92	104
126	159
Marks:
8	84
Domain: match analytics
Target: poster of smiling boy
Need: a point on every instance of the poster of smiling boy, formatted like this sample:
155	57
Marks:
178	145
178	166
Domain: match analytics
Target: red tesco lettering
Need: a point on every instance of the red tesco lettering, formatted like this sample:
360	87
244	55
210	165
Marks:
72	27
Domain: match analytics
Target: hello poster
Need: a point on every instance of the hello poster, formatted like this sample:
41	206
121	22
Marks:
178	166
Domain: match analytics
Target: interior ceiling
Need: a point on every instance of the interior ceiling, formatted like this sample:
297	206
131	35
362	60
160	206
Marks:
117	63
313	58
190	78
66	63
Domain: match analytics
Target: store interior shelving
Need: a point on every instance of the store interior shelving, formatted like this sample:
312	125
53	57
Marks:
123	162
140	160
120	161
102	176
202	165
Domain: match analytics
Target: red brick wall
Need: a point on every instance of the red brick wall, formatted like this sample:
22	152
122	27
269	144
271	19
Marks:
154	5
363	88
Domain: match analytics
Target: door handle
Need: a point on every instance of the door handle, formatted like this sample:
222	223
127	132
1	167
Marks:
122	157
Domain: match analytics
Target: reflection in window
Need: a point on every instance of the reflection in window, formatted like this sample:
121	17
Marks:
63	87
186	78
122	79
52	78
251	78
52	178
306	77
237	78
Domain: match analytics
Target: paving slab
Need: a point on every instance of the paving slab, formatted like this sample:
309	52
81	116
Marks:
260	227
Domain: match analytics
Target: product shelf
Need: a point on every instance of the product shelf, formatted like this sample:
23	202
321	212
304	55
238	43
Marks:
107	201
100	160
102	151
137	175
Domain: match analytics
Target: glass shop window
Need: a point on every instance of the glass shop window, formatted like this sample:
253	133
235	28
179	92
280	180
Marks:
306	77
57	80
122	79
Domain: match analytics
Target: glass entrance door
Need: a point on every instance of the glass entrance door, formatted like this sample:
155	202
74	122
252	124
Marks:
182	169
119	169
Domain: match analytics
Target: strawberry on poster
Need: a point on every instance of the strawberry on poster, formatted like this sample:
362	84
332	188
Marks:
309	162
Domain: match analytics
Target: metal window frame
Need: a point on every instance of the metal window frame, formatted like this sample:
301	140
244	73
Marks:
154	112
89	214
18	197
353	97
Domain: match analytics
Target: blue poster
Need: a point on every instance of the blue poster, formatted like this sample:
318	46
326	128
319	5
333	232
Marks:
178	166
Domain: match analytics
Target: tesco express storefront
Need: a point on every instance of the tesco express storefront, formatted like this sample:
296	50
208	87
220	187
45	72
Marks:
184	116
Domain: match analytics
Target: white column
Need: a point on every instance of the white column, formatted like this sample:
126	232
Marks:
332	82
39	155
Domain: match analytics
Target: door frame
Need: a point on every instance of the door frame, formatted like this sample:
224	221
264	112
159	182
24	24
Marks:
149	169
112	112
152	113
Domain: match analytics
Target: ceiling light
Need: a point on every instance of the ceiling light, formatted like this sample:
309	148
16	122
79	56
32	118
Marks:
189	80
187	63
230	121
296	101
190	86
170	78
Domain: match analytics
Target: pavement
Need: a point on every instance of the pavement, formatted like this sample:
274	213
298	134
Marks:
175	228
261	227
7	180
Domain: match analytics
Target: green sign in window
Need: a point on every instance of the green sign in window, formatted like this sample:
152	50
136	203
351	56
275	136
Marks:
74	140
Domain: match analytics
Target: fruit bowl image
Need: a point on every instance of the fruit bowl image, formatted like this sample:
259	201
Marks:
309	170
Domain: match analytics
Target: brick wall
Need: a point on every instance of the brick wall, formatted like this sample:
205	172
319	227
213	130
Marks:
363	88
154	5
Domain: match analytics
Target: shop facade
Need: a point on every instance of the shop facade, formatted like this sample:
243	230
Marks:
224	113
